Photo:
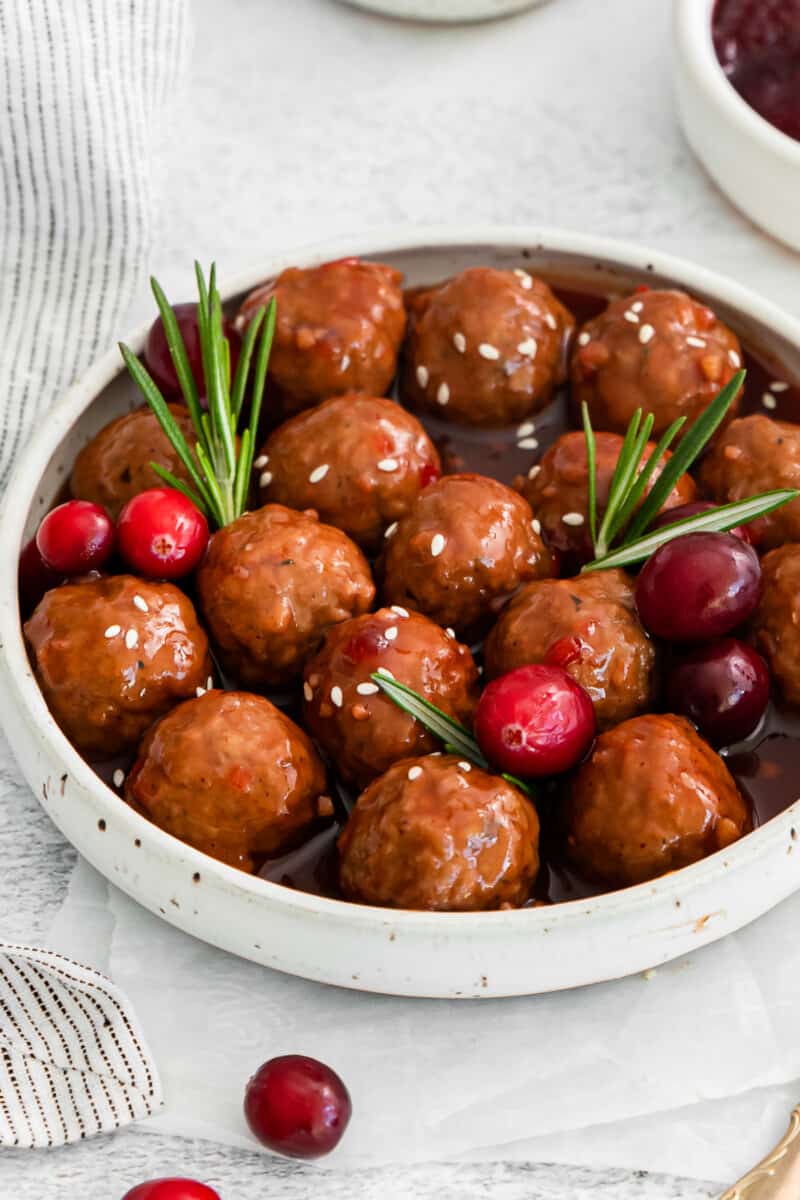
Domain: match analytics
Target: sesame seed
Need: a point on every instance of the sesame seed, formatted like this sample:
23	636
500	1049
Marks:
528	444
536	525
112	631
437	544
700	343
465	766
119	777
584	338
734	359
637	306
573	518
142	691
414	773
443	394
768	400
131	639
528	347
261	461
140	603
487	350
525	429
209	683
401	612
423	375
524	278
336	696
646	334
265	479
318	473
308	692
778	385
460	342
345	363
391	633
390	529
550	321
384	671
534	471
367	689
451	633
631	316
199	691
388	464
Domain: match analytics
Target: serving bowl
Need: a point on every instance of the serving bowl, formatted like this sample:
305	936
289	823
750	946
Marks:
489	954
755	164
446	10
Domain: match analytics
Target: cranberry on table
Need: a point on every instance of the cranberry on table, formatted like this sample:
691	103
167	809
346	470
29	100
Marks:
172	1189
722	687
76	537
536	720
297	1106
158	359
162	535
684	511
698	587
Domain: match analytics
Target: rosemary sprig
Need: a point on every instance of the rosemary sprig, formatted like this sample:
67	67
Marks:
451	733
219	471
629	512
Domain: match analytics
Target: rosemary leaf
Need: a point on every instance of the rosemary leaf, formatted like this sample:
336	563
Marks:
242	479
591	465
177	350
643	478
624	483
438	723
246	455
218	506
243	365
216	385
180	486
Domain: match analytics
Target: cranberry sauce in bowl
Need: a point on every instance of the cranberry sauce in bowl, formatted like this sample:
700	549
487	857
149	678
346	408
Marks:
758	45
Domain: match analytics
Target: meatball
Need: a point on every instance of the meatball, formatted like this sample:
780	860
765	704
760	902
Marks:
271	584
756	454
114	654
557	489
465	547
231	775
485	348
359	462
588	626
352	720
660	351
115	465
339	329
437	833
652	797
776	624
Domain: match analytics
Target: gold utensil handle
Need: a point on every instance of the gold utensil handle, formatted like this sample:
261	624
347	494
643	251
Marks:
777	1177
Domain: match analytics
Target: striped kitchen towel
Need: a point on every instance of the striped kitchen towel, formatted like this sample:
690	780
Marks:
73	1060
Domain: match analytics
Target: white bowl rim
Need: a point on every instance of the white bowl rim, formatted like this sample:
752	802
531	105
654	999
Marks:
374	243
693	22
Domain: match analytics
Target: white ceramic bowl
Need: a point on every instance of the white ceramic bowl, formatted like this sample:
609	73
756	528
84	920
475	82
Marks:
446	10
755	164
408	953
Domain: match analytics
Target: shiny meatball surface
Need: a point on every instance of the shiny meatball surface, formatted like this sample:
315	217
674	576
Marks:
339	329
359	727
231	775
360	462
652	797
486	347
588	626
756	454
115	465
271	584
776	624
660	351
557	488
433	834
468	543
112	655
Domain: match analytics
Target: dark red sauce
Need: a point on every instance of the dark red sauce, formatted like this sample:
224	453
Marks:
758	45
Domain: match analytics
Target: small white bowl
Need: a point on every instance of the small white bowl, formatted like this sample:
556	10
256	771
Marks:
446	10
755	164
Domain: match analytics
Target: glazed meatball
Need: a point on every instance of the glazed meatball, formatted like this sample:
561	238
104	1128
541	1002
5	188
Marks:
557	489
756	454
231	775
359	727
652	797
436	833
466	546
776	624
485	348
359	462
660	351
271	584
588	626
339	329
114	654
115	465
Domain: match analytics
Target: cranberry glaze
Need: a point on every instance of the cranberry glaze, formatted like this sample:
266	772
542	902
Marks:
758	45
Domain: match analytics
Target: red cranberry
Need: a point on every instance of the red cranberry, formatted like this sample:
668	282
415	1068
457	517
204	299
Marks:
75	537
297	1106
161	534
159	360
535	720
683	511
172	1189
34	577
369	643
722	687
698	587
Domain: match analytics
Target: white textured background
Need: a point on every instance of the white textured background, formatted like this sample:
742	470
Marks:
305	118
